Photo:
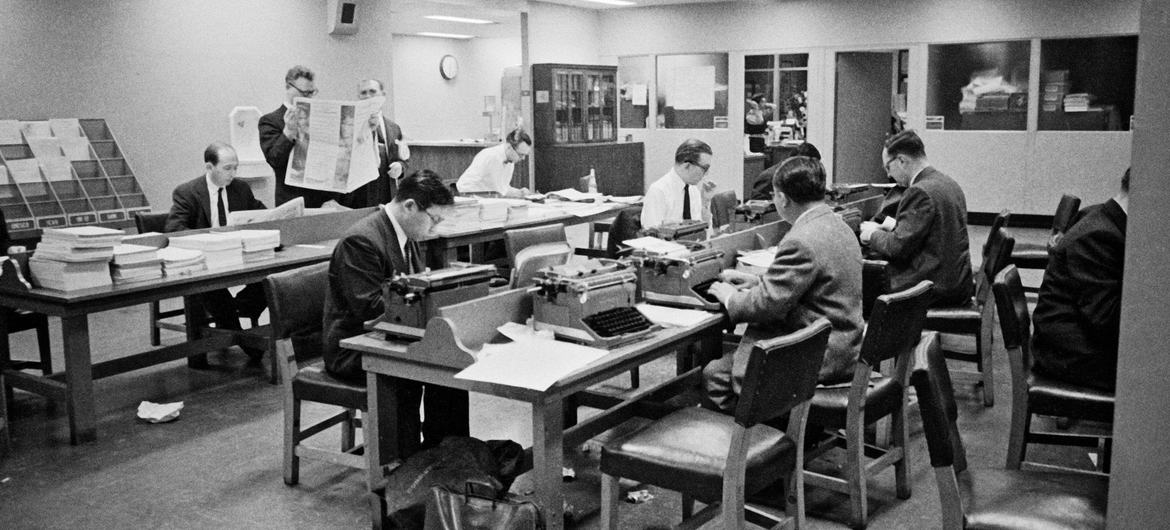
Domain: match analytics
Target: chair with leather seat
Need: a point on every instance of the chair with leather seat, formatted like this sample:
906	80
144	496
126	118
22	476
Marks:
717	458
875	281
977	317
995	498
157	222
1035	255
893	332
15	321
1035	393
626	225
723	208
532	249
297	306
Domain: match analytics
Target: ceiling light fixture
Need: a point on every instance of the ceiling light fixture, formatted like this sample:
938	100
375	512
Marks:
463	20
445	35
612	2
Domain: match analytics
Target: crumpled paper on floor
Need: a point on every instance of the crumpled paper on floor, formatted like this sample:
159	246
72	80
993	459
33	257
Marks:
159	412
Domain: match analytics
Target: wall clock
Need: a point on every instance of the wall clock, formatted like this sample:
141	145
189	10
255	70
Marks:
448	67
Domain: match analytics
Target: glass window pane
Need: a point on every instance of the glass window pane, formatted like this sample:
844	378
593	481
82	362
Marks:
978	86
791	104
758	62
634	75
1087	84
794	60
692	91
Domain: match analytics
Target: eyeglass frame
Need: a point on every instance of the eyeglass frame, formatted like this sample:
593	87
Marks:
303	93
434	221
886	164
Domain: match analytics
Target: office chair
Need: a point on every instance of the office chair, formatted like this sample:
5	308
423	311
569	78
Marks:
875	281
626	225
718	458
723	208
15	321
157	222
1035	256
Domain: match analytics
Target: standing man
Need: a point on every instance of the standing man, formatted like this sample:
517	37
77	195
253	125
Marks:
491	169
816	273
373	250
678	195
278	135
928	240
392	154
1078	312
205	202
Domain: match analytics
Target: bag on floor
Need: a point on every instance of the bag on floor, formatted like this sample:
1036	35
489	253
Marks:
450	509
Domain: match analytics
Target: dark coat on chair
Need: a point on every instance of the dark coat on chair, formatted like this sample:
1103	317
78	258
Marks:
277	149
929	241
1078	313
191	204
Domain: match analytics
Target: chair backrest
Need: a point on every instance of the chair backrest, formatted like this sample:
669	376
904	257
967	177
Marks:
1066	216
875	281
296	304
723	207
150	222
1000	221
626	225
932	384
782	373
1014	320
997	255
518	239
896	325
531	259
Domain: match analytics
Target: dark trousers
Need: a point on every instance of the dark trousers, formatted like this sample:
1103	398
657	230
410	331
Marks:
226	311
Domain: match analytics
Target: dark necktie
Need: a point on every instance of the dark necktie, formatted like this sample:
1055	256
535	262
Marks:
686	202
411	257
221	206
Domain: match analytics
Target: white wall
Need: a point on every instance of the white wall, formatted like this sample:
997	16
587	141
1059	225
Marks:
563	34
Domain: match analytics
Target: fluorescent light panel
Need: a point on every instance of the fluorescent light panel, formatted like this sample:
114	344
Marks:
612	2
463	20
445	35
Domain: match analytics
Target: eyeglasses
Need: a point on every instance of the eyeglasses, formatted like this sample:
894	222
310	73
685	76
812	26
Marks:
519	155
705	168
886	165
434	219
303	93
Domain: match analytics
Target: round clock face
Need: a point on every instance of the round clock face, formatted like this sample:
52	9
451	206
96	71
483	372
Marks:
448	67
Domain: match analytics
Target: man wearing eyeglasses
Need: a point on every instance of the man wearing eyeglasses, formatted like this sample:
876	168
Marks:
928	239
376	248
491	169
279	134
682	193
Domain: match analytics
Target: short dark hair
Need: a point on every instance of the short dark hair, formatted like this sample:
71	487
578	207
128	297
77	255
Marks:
906	143
1125	181
426	188
809	150
298	72
211	154
517	136
801	179
691	150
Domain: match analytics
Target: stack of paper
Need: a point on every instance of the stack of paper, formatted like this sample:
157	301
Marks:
135	263
259	245
657	246
181	261
68	259
221	250
69	275
570	194
1078	102
756	261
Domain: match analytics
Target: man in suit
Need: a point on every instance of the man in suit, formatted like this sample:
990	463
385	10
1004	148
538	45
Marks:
205	202
681	194
280	132
374	249
1078	312
928	239
392	154
816	273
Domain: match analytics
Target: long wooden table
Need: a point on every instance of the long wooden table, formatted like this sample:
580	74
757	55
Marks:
447	347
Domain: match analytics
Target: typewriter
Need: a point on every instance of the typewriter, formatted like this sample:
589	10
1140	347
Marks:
590	303
755	209
679	279
692	230
411	300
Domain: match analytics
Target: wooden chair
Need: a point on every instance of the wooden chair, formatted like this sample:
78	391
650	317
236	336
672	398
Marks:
977	318
1034	255
532	249
723	208
893	331
717	458
297	304
994	498
1034	393
16	321
626	225
875	281
157	222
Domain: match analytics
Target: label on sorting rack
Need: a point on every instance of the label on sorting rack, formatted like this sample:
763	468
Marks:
115	215
17	225
51	222
83	218
130	213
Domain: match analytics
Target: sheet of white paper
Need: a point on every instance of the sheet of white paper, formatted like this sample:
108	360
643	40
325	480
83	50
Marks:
654	244
24	170
638	95
65	127
76	148
10	132
288	210
535	364
570	194
5	190
674	317
45	147
159	412
36	129
694	88
335	148
632	199
57	169
517	332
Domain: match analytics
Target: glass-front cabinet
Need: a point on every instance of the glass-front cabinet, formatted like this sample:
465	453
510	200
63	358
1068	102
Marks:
575	103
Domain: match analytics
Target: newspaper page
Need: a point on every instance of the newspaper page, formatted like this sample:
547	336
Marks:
335	149
288	210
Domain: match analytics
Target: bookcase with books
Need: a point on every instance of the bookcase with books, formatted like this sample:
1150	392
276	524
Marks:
64	172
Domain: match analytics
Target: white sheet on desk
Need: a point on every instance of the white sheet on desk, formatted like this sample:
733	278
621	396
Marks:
632	199
672	316
533	363
579	209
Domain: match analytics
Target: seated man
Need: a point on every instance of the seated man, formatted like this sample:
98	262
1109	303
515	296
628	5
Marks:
1078	312
762	187
678	195
928	240
373	250
204	202
816	273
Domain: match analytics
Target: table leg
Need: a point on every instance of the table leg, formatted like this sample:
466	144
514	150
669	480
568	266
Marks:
78	379
5	351
193	318
548	454
380	434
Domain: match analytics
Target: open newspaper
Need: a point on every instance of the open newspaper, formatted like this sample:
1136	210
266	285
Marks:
335	144
288	210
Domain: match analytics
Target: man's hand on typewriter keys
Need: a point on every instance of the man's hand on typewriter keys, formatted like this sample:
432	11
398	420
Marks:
731	281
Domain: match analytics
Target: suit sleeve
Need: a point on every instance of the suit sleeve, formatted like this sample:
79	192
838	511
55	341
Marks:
184	208
916	215
273	142
359	270
251	201
787	279
1095	266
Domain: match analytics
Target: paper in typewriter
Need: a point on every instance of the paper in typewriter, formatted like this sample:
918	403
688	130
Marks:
532	363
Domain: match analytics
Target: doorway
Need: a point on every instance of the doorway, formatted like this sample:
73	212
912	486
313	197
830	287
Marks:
869	94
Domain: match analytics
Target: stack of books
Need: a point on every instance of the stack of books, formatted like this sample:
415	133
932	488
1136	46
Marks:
135	263
259	245
181	261
70	259
222	250
1078	102
1054	85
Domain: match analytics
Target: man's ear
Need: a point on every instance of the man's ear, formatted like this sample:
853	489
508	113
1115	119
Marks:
410	205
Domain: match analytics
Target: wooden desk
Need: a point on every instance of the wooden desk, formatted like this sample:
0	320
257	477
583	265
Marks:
445	350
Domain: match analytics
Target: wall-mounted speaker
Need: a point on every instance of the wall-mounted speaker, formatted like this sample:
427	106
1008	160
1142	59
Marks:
343	17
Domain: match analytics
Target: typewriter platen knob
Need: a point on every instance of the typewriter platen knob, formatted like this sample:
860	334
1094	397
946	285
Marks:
411	298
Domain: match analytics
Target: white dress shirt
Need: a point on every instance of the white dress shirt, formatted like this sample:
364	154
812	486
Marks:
490	170
213	201
663	202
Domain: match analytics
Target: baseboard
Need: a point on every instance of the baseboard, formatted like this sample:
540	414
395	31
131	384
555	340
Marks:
1017	220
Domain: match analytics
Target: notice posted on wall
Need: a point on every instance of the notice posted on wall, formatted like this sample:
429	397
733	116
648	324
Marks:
335	144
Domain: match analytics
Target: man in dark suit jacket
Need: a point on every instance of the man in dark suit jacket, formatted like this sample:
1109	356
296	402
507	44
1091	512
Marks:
392	155
816	273
278	136
1078	312
373	250
195	205
929	237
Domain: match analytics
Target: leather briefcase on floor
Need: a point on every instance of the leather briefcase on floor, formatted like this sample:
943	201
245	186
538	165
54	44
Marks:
448	509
